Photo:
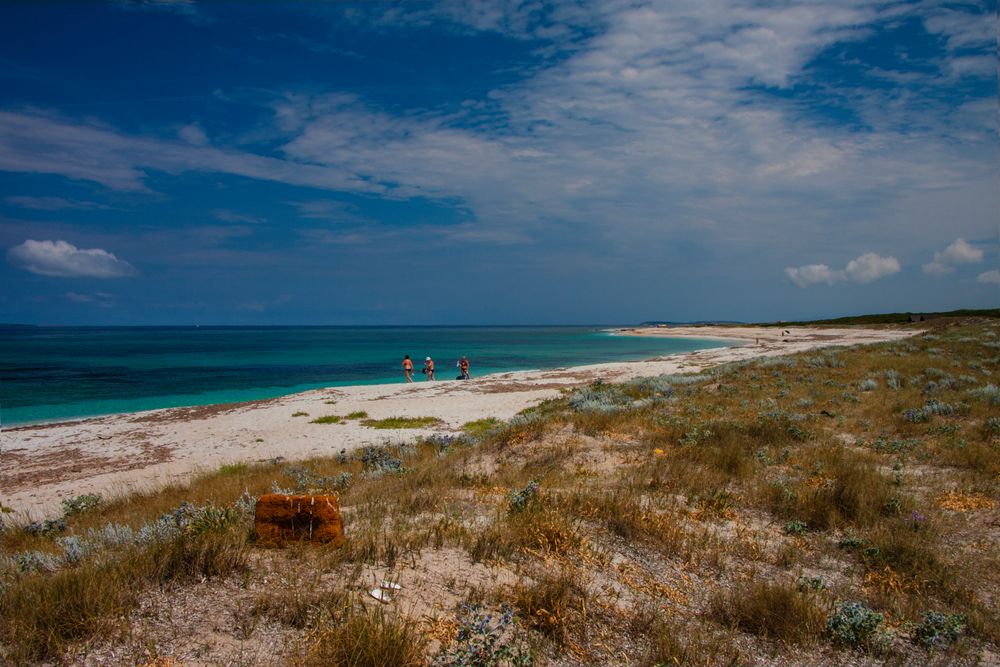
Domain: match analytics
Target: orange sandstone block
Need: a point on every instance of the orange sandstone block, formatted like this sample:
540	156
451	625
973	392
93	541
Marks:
279	518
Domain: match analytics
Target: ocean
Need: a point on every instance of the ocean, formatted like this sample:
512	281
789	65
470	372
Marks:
54	373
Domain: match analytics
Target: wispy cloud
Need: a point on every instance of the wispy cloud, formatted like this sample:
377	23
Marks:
225	215
959	252
194	134
328	237
44	143
99	299
189	9
327	209
653	122
54	203
64	260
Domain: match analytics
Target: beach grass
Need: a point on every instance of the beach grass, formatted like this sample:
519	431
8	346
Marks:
782	504
481	427
327	419
401	422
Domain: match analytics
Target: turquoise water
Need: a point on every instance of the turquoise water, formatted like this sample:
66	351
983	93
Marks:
51	373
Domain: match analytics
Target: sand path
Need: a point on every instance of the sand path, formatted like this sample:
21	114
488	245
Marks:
41	465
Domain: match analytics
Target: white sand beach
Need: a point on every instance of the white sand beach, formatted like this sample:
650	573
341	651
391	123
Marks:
41	465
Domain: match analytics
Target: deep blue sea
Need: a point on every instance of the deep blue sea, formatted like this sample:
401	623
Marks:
52	373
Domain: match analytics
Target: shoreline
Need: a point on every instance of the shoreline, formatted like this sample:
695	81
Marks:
42	464
219	396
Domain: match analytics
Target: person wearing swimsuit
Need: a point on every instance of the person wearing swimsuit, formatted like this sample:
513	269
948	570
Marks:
463	365
429	369
408	368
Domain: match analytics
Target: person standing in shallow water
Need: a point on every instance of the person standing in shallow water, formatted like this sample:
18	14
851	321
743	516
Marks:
463	366
429	369
408	367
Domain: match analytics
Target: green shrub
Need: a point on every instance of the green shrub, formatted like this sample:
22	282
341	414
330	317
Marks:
485	640
524	498
938	629
80	504
795	528
853	623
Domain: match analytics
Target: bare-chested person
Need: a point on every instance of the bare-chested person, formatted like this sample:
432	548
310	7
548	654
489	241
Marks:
408	368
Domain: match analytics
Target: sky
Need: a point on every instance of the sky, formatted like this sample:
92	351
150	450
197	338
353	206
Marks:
493	162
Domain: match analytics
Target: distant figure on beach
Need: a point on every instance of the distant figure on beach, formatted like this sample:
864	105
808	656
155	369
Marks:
463	367
408	367
428	369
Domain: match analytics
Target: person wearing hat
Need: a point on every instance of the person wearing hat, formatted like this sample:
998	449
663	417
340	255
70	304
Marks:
428	369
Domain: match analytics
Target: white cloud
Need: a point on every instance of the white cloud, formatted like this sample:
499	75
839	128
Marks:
864	269
64	260
324	209
327	237
225	215
989	277
42	143
189	9
53	203
100	299
652	120
871	266
812	274
959	252
193	134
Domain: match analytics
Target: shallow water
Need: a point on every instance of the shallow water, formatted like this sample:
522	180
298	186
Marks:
49	373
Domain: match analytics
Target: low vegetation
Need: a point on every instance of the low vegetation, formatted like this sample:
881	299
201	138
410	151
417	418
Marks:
825	507
401	422
326	419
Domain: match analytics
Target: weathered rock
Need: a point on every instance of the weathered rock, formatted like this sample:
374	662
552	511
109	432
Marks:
281	518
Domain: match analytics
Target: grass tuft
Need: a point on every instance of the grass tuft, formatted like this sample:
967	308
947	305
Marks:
361	637
401	422
780	611
327	419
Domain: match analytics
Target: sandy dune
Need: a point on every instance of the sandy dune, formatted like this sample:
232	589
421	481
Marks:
41	465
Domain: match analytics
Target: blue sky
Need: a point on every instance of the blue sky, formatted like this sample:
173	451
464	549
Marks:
185	162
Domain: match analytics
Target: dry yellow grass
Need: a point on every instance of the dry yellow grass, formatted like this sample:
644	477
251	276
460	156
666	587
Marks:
686	527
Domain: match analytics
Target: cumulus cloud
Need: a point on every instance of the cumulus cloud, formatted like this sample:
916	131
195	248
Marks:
864	269
959	252
871	266
64	260
812	274
989	277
